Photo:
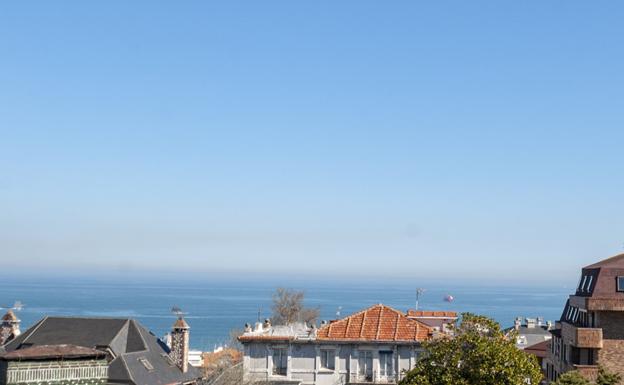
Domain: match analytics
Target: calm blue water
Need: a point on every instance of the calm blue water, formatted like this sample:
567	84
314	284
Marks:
217	306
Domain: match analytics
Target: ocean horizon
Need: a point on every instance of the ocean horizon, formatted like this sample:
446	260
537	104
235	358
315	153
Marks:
215	307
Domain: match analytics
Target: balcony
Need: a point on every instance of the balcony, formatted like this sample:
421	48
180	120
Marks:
590	338
580	337
588	371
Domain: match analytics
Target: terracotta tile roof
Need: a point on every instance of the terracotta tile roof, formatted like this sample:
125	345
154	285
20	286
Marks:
430	313
9	316
377	323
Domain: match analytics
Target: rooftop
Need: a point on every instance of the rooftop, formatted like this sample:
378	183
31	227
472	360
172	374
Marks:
431	313
616	261
53	352
377	323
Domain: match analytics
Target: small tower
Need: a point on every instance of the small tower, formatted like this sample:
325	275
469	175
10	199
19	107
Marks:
180	343
9	328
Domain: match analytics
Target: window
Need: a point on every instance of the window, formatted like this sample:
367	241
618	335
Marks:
280	361
386	363
582	283
365	364
620	283
589	281
328	359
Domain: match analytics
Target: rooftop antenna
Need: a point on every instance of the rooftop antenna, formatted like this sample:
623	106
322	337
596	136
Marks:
338	311
178	312
17	306
259	312
419	292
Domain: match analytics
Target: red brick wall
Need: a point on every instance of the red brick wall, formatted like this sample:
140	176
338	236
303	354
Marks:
611	356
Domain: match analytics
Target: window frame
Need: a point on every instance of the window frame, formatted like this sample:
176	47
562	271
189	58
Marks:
619	283
278	370
328	359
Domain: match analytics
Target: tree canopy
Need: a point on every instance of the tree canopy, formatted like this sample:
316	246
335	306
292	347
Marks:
479	353
288	307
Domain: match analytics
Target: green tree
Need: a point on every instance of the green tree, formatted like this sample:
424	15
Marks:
572	378
478	354
607	378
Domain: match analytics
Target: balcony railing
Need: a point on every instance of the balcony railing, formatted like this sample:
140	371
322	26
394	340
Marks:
374	378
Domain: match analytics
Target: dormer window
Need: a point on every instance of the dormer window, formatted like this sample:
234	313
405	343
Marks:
582	283
620	284
588	284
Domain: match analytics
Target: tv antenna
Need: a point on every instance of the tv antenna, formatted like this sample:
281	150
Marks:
338	311
419	292
178	311
17	306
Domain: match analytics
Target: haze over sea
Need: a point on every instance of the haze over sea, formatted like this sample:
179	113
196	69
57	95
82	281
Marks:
217	305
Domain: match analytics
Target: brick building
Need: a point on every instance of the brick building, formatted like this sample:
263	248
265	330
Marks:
591	330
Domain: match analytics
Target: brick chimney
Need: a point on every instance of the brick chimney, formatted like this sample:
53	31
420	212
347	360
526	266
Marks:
180	344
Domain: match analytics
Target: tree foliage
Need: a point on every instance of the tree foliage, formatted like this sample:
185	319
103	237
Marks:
572	378
478	354
288	307
607	378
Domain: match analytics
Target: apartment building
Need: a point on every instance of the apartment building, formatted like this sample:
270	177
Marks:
591	330
375	345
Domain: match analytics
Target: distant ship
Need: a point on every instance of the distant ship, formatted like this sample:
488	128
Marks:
449	298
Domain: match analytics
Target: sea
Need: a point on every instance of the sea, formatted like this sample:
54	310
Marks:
216	306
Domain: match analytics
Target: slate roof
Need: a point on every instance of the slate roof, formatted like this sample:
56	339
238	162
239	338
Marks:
377	323
136	356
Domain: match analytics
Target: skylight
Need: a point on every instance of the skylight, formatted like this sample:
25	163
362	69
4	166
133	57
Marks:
148	365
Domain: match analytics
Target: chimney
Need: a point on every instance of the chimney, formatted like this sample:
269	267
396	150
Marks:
267	324
247	328
517	323
180	344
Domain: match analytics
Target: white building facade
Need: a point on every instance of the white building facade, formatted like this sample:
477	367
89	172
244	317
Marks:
376	345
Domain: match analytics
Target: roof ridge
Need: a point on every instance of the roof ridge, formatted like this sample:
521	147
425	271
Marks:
379	323
37	326
349	318
363	321
396	329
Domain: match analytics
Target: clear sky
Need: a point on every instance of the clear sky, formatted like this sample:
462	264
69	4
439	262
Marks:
437	139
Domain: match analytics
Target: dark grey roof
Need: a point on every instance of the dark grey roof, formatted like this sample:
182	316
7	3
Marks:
137	356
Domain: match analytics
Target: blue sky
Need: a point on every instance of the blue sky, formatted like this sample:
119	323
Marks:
477	139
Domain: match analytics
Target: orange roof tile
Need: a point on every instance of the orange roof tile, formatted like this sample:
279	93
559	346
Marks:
431	313
377	323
